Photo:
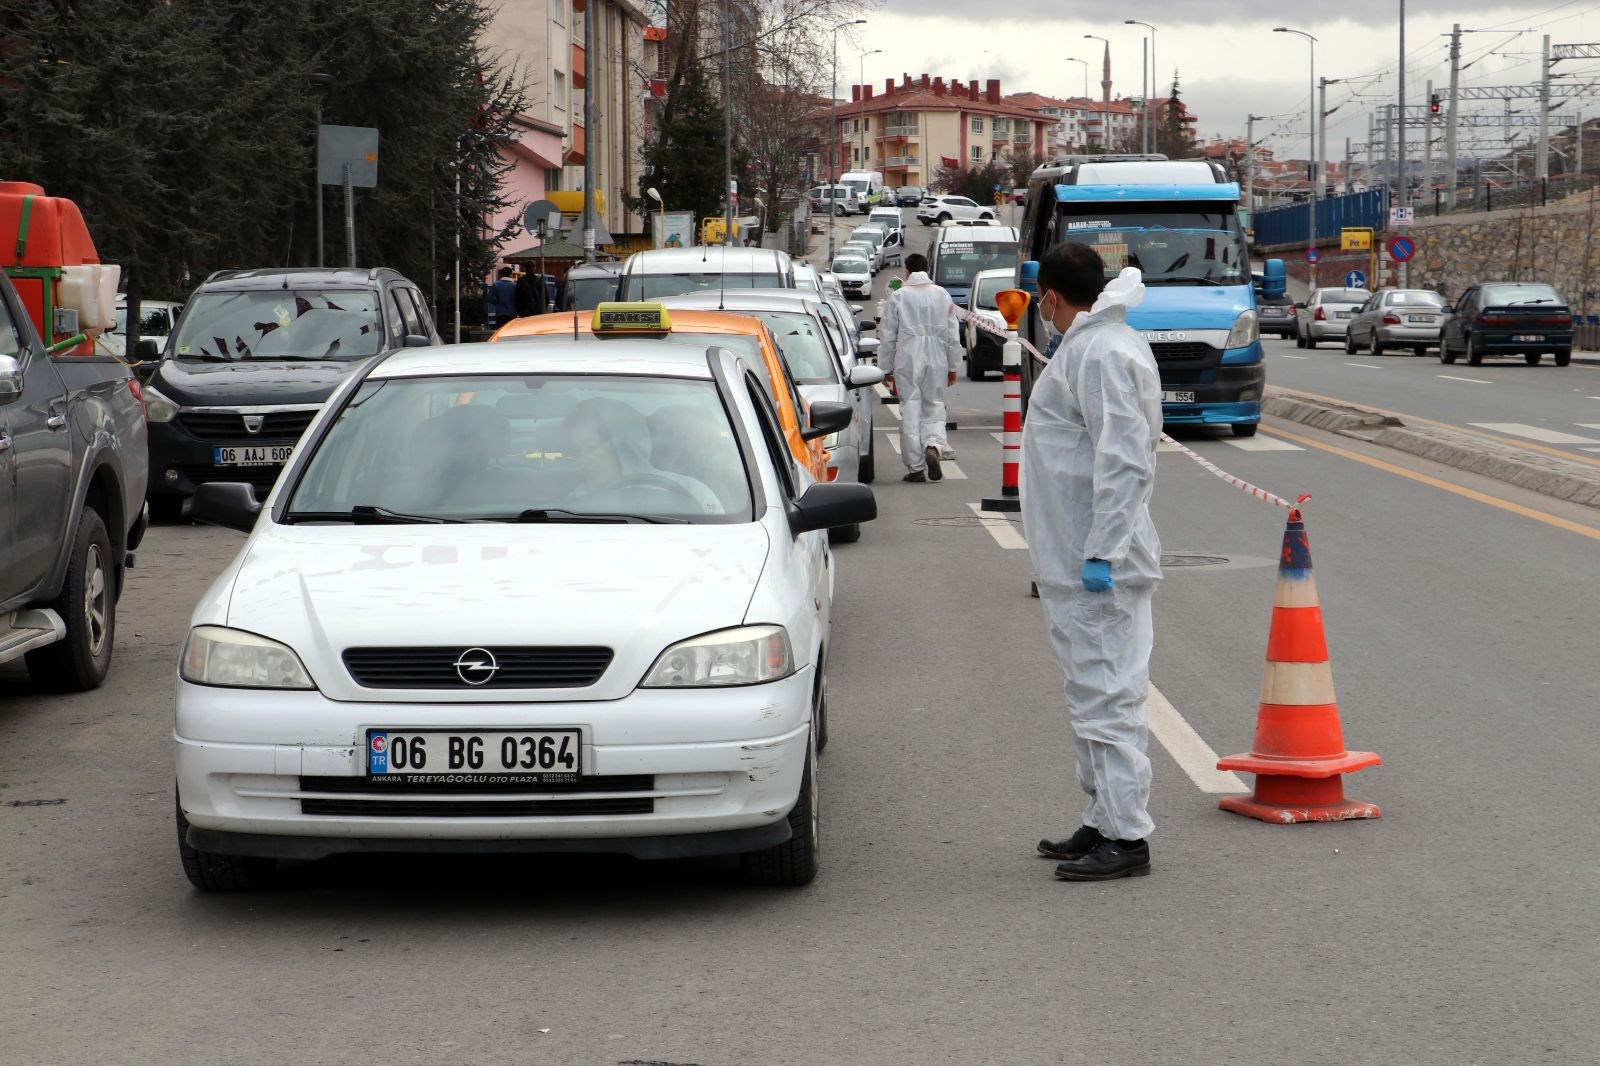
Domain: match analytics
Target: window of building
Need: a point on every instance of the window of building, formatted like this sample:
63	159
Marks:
977	125
1003	126
558	11
866	153
552	179
977	154
558	89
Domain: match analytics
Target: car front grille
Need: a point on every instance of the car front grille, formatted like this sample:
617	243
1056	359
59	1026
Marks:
229	426
361	798
1181	352
435	667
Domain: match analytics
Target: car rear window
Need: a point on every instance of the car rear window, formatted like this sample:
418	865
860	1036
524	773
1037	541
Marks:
1343	296
1520	293
637	287
1430	298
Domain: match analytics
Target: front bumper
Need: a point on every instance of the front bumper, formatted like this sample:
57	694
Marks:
1219	400
179	462
258	764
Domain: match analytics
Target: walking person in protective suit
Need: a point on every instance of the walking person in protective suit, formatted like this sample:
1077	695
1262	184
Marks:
1088	469
919	349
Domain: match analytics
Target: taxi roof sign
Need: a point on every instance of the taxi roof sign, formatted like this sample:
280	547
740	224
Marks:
1012	304
630	318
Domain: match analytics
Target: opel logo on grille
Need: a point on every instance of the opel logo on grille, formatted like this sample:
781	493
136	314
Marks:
252	423
476	666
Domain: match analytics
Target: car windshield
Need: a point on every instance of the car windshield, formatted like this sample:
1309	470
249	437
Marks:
1430	299
801	343
958	262
279	324
1180	245
1517	293
850	265
588	293
659	286
983	292
528	447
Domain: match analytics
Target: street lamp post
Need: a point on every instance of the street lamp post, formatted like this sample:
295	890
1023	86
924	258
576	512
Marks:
1311	135
1085	62
861	121
1149	140
661	209
1105	93
833	128
761	225
319	80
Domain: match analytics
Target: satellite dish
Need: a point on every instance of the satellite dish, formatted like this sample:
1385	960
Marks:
537	215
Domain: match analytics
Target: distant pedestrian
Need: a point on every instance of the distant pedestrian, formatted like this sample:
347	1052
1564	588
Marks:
919	350
1088	471
531	295
500	300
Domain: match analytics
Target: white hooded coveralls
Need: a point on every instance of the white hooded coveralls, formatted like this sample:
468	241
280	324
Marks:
919	343
1088	469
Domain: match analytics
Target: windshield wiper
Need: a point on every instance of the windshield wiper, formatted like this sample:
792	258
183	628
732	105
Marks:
366	514
1540	300
555	514
1188	281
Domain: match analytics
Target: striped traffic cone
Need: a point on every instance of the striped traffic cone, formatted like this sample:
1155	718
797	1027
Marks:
1298	756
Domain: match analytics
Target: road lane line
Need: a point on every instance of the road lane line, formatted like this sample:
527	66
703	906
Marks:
1471	494
1452	377
1001	437
1364	366
1260	444
1457	426
894	409
1163	446
1590	449
1002	529
1286	355
1539	433
1192	754
951	471
894	442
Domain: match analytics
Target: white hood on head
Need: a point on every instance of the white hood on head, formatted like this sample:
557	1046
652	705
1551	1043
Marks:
1124	290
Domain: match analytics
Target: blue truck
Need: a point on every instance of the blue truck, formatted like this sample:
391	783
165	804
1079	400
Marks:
1178	222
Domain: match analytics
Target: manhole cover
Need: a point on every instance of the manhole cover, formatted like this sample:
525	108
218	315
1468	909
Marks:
1193	559
967	521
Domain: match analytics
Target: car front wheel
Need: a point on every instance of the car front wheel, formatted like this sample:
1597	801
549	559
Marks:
88	607
210	872
794	862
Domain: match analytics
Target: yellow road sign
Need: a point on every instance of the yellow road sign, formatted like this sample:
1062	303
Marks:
1355	240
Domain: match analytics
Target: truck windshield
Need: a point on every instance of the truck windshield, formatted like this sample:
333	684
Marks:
1172	245
279	324
859	186
958	262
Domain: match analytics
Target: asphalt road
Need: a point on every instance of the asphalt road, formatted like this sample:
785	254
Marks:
1459	928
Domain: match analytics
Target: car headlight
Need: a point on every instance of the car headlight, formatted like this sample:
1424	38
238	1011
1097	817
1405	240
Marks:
1245	332
232	658
747	655
157	408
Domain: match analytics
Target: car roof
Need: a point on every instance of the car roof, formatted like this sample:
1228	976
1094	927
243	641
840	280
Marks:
721	258
749	299
683	321
595	270
301	278
993	272
582	355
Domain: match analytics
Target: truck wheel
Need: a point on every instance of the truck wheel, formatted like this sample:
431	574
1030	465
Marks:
794	862
87	605
219	873
1245	429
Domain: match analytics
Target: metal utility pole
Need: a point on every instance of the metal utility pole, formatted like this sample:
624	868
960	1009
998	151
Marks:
1578	162
862	120
1388	148
833	127
1250	165
589	139
1347	165
1450	116
1321	171
1405	179
1372	138
1542	156
1427	150
1144	88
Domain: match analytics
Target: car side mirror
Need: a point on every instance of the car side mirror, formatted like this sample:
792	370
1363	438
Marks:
867	347
10	378
829	504
230	504
827	416
146	351
416	340
862	377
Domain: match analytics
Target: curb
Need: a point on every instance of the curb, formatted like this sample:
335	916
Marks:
1544	474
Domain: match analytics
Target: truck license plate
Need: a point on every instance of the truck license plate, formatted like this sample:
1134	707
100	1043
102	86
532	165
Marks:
488	757
1184	396
254	455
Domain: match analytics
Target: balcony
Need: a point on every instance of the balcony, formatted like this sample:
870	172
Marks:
898	133
1000	137
580	144
901	162
579	67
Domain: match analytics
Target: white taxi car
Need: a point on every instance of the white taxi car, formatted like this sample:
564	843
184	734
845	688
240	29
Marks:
519	598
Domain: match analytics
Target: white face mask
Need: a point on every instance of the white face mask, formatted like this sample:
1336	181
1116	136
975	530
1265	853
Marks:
1051	331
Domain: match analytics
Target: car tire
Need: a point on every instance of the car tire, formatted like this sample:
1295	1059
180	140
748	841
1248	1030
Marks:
867	467
987	215
794	862
822	712
1563	356
167	510
210	872
1445	354
944	218
1349	344
1376	347
1474	352
1420	351
88	605
1245	429
1532	358
844	534
1299	341
974	372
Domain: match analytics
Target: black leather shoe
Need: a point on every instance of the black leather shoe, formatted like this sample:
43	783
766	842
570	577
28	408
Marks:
1075	846
1108	861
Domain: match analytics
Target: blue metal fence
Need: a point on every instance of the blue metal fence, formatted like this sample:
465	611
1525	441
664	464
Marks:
1288	225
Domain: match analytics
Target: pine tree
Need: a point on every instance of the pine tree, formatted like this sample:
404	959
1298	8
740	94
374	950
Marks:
685	161
1172	136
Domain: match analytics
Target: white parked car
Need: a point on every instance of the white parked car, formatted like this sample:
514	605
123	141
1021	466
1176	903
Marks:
807	276
659	272
519	597
937	209
854	274
156	319
1326	315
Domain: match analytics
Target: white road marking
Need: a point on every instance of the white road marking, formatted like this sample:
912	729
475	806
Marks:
1187	748
1001	437
1590	425
894	442
1475	381
1539	433
1002	529
1364	366
1286	355
1261	444
951	471
894	409
1589	449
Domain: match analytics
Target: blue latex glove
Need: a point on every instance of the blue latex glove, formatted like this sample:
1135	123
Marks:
1097	575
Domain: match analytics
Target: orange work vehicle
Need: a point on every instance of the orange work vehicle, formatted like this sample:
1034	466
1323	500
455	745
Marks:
46	250
744	336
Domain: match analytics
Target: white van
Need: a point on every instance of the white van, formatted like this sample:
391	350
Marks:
842	199
867	185
657	273
887	217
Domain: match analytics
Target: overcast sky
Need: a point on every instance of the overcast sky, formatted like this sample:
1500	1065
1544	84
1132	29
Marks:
1229	62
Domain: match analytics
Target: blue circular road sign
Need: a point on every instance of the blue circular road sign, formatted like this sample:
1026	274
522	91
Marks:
1355	280
1401	249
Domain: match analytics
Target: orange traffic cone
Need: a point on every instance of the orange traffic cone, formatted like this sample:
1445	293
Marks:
1298	754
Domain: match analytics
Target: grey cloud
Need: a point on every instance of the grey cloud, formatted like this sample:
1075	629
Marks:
1210	12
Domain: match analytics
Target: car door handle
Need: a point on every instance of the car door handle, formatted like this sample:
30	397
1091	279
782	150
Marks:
56	421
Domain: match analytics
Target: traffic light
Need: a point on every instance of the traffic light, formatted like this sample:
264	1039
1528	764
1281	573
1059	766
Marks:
1433	104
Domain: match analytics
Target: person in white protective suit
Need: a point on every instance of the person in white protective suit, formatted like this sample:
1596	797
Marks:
919	348
1088	468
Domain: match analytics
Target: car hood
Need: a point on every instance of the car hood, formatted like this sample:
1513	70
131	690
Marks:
1190	306
635	589
196	384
